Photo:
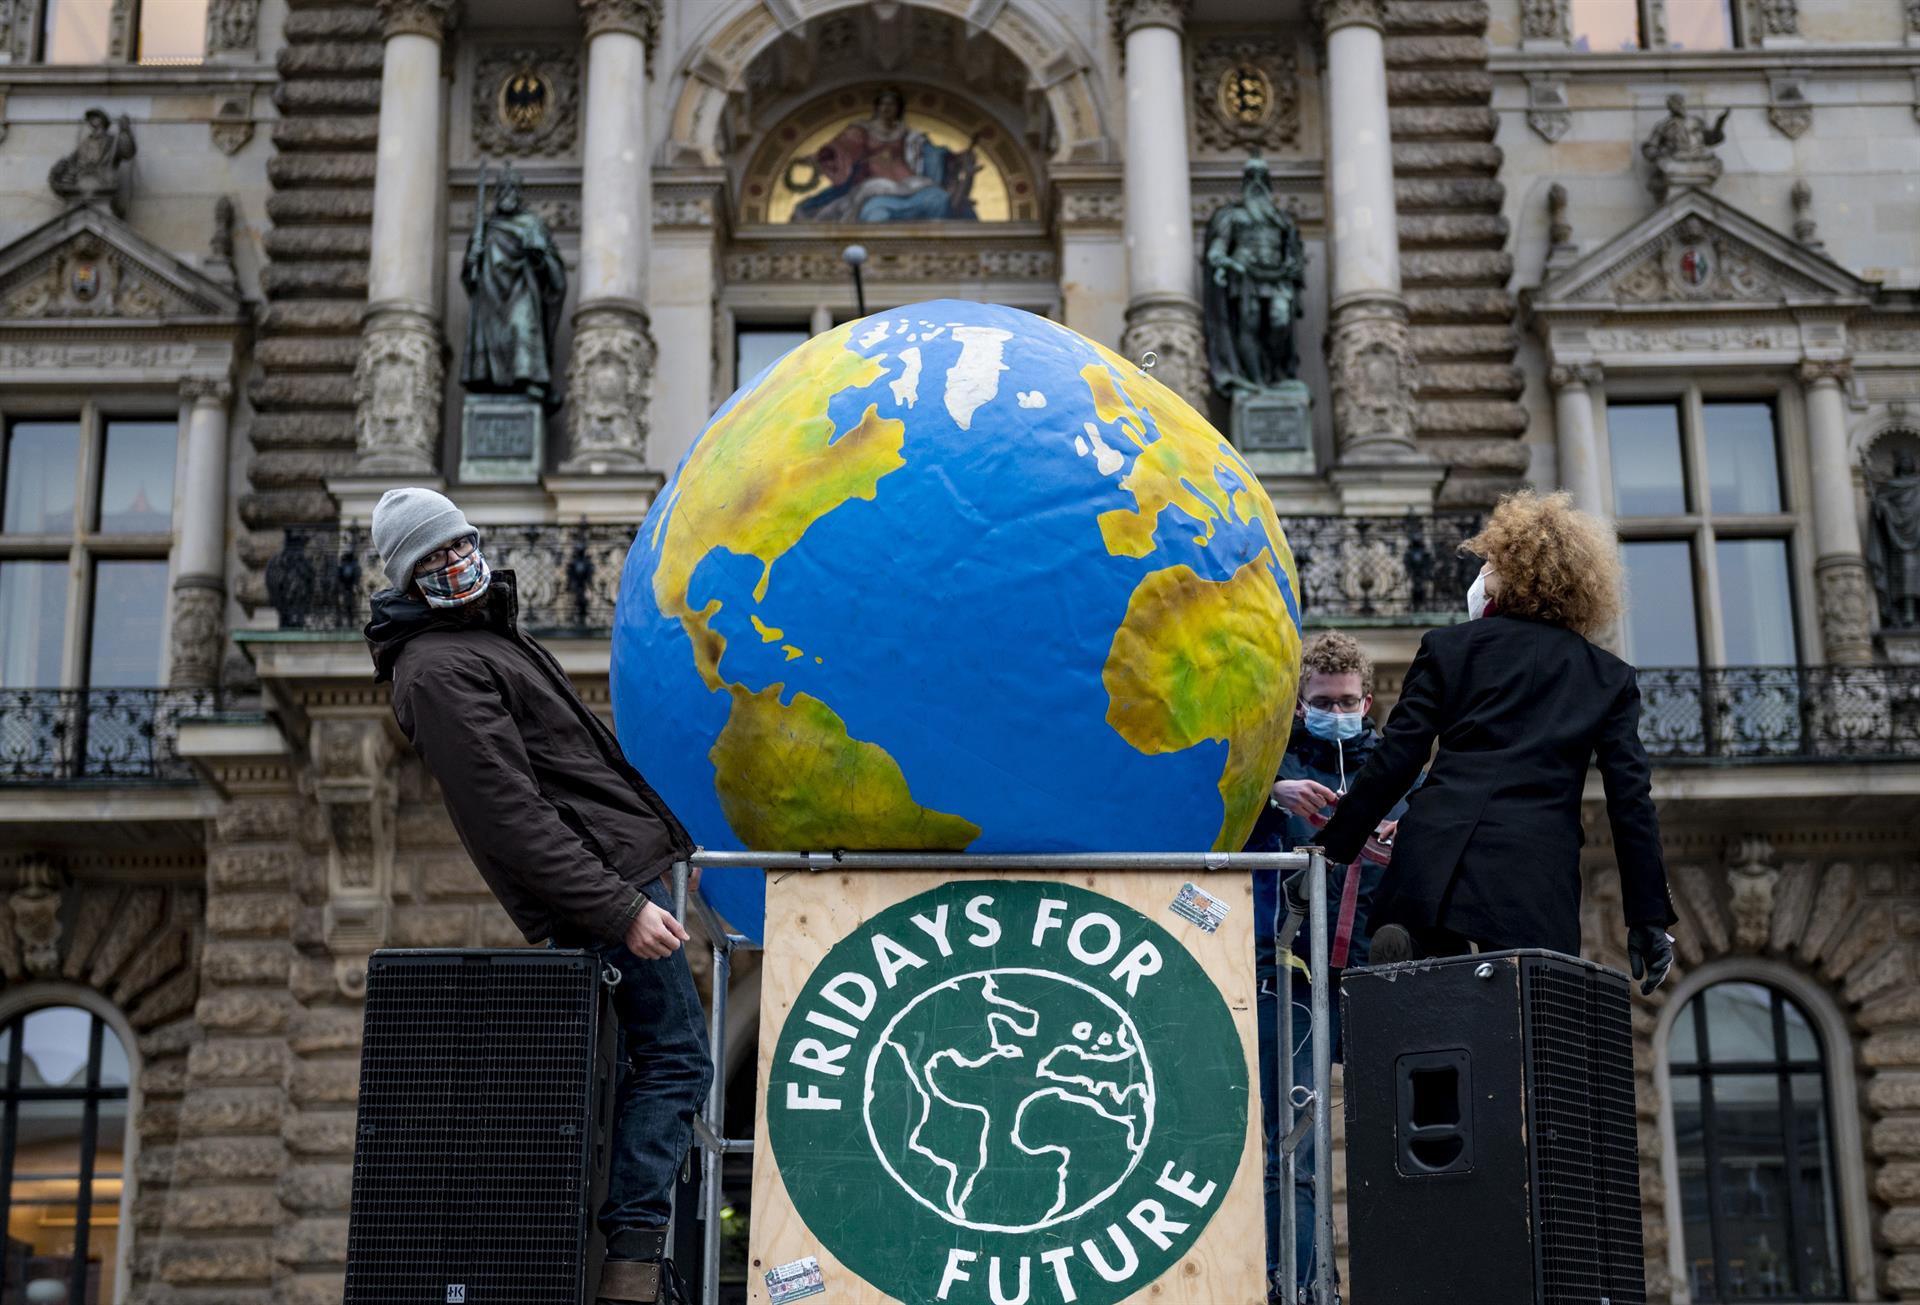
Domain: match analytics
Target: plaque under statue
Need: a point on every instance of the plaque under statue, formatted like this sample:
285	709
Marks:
1255	266
515	282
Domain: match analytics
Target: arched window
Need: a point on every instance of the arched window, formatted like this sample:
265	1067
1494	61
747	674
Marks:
63	1137
1753	1147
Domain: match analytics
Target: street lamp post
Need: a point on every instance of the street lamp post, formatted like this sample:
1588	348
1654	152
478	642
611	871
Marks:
855	255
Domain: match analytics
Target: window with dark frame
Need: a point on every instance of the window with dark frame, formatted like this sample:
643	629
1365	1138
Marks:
62	1153
81	32
1606	26
1747	1080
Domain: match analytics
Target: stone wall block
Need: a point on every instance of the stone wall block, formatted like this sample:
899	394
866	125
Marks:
321	1241
1436	15
1898	1183
169	1040
211	1209
342	279
1440	342
431	926
1792	903
226	1159
325	1082
193	1263
287	507
337	23
1903	1276
343	131
331	59
298	171
317	1188
313	1289
1889	974
300	243
159	1117
242	1010
249	915
97	903
1894	1091
1895	1137
155	1165
297	206
242	964
238	1061
1420	230
325	1028
157	957
1413	51
425	824
279	467
217	1111
1832	903
1446	158
1455	267
1440	86
1455	121
311	979
309	928
168	1001
257	819
450	874
298	353
1892	1047
497	929
1901	1228
230	868
1485	305
1869	930
1429	194
320	1133
346	95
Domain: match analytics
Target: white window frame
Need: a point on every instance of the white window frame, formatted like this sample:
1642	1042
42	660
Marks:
1843	1108
1653	27
1700	529
83	545
36	996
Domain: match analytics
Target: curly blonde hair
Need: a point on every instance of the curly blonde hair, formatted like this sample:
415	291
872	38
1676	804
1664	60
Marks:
1336	653
1555	563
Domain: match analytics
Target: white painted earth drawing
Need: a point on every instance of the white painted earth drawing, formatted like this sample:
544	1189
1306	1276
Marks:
1009	1100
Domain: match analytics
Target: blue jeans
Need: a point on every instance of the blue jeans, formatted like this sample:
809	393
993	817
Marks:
1268	1012
664	1072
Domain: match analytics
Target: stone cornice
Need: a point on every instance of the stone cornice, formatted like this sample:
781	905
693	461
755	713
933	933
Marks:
119	78
1332	15
1130	16
428	18
1815	59
639	18
1837	370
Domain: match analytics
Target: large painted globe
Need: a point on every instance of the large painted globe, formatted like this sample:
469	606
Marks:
956	577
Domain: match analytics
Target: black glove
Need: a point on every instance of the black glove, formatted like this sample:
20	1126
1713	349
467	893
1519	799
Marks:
1650	954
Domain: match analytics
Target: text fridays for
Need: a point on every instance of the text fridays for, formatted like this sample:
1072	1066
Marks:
1092	940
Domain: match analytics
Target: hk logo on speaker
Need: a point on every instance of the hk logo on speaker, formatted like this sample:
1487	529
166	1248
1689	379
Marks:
456	1293
1041	1086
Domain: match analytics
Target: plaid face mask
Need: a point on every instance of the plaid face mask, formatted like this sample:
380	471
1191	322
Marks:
459	582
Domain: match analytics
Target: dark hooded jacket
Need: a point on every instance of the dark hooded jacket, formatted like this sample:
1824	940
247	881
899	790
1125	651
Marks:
564	831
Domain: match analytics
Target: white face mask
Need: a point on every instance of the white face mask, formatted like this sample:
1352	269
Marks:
1477	597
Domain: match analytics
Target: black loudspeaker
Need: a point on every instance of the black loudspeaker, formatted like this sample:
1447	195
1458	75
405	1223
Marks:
486	1110
1492	1151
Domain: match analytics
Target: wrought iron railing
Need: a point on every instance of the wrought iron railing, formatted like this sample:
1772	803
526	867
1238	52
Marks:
56	736
1383	567
1781	713
567	576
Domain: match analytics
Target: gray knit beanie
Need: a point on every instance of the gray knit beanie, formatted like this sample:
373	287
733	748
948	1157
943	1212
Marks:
410	523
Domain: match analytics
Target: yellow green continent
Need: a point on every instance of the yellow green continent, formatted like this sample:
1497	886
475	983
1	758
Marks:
1199	659
789	775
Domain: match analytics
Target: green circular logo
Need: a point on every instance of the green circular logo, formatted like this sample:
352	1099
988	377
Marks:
1009	1093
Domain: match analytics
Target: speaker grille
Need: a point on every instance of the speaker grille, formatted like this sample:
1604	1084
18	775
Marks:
1586	1157
472	1168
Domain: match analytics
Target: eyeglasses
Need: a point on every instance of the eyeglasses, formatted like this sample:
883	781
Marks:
441	557
1336	704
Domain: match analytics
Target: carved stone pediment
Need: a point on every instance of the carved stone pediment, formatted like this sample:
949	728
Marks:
1696	252
87	266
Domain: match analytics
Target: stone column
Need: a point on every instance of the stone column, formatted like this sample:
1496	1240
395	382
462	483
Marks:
1163	315
1840	569
610	375
400	378
1574	434
199	584
1370	363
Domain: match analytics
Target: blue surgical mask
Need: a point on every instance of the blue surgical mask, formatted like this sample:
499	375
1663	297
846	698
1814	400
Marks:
1335	726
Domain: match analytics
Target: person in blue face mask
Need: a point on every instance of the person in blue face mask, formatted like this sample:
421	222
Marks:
1333	736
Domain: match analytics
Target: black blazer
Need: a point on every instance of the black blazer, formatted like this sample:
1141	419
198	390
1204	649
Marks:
1490	844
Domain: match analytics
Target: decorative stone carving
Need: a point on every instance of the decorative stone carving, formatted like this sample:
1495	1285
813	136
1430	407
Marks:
1169	329
1788	108
1543	20
352	765
1245	94
35	905
429	18
1692	339
1130	15
641	18
95	171
1697	262
1588	375
197	635
1372	370
1752	876
1331	15
526	102
1560	247
921	262
1805	230
231	27
1680	148
1549	112
1837	370
1778	17
609	386
88	278
232	125
219	263
1893	537
398	384
672	209
1846	604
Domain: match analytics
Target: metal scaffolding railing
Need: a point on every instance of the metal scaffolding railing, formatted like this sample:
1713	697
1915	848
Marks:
1301	1115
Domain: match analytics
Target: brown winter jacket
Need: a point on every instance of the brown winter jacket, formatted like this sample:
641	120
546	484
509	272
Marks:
564	831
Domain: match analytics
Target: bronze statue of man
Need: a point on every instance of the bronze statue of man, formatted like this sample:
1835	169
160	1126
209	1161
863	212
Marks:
515	283
1255	265
1893	544
1685	136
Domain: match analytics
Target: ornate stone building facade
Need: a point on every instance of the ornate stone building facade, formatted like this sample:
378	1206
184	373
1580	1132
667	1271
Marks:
230	310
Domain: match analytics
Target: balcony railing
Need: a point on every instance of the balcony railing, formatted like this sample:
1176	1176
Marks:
567	576
1781	713
1350	567
1386	568
57	736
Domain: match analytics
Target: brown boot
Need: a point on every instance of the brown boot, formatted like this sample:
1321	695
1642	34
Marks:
637	1272
625	1281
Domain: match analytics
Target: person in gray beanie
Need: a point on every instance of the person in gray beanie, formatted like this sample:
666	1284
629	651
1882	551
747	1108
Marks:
571	839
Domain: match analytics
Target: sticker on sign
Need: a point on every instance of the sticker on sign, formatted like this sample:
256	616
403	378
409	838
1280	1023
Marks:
795	1281
1200	906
